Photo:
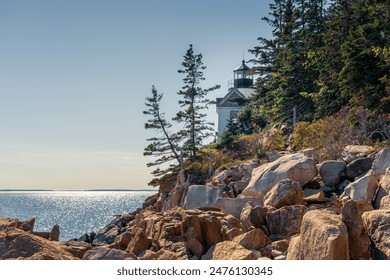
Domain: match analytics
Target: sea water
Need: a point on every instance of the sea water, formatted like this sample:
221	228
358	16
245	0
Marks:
76	212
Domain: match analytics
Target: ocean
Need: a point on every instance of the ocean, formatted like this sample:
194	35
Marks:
76	212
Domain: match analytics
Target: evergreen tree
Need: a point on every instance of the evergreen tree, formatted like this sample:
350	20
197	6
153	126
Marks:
360	78
164	146
194	101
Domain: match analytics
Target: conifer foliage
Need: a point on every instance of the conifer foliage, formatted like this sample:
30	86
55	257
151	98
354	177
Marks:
323	55
165	145
194	101
173	150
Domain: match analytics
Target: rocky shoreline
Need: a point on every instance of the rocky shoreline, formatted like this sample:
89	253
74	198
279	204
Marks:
291	207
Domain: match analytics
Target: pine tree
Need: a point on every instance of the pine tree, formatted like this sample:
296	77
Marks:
194	102
360	78
165	146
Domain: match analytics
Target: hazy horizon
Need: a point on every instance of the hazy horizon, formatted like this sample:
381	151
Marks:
74	76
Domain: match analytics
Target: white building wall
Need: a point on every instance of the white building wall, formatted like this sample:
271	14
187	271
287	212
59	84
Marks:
223	118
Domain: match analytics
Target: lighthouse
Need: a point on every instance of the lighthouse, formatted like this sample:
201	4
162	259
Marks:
240	88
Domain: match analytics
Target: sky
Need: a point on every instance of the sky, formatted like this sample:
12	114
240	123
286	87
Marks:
74	75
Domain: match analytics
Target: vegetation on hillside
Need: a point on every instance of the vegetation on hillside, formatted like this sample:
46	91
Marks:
328	61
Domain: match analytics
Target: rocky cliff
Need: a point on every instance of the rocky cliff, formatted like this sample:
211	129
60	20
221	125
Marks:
292	207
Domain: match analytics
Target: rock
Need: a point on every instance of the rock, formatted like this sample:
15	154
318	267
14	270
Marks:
385	203
358	167
230	234
87	237
239	186
199	196
19	244
148	255
106	235
280	258
55	233
280	245
252	217
285	221
123	239
234	206
195	247
175	252
383	189
106	253
352	152
341	187
381	163
362	189
331	171
273	156
28	225
139	243
76	248
359	242
285	192
151	200
296	167
210	230
312	153
42	234
253	239
228	250
326	189
276	253
293	248
246	169
174	199
311	195
377	225
323	236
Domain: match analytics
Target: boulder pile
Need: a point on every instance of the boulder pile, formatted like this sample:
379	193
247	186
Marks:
289	208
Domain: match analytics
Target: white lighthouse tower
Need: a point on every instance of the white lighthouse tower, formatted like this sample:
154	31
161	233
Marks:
239	90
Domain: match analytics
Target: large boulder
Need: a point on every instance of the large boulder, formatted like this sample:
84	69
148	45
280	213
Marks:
359	242
234	206
16	243
383	189
381	163
362	189
385	203
314	196
55	233
246	169
199	196
352	152
284	193
331	171
323	236
252	217
76	248
106	235
106	253
358	167
377	224
139	243
285	222
296	167
228	250
293	248
253	239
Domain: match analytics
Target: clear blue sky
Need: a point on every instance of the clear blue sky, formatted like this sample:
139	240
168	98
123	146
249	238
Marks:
74	75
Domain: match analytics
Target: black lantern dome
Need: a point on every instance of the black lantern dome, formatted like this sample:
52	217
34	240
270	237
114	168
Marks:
242	78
